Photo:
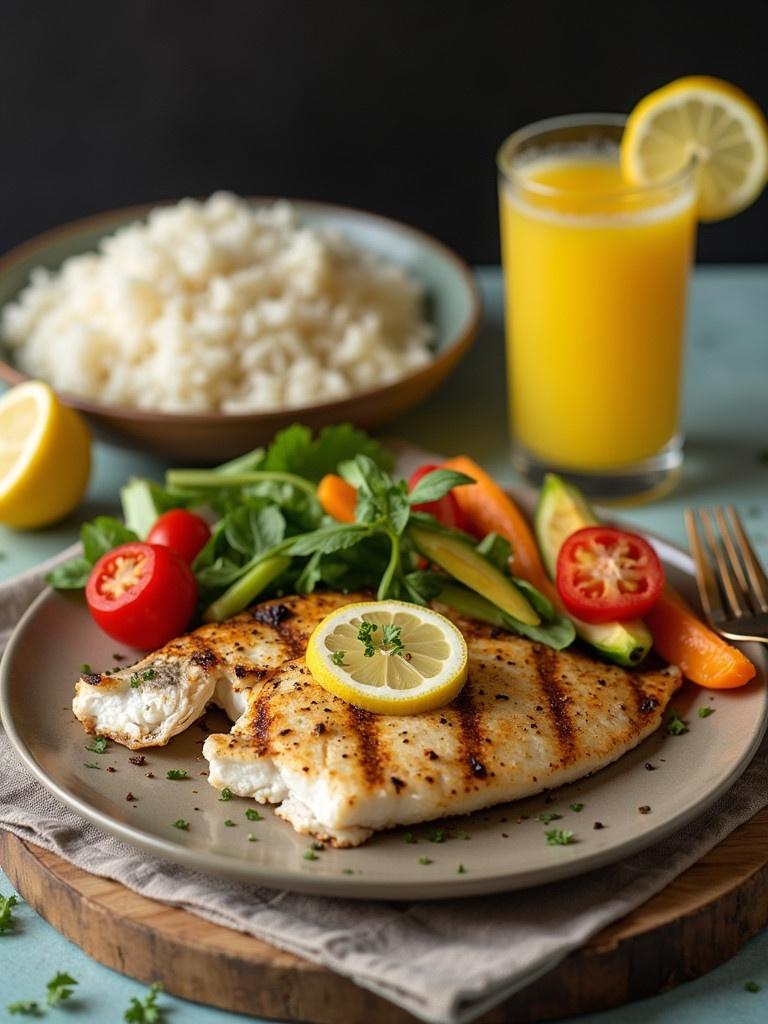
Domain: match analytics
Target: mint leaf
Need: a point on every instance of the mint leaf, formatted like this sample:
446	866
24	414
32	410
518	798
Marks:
101	535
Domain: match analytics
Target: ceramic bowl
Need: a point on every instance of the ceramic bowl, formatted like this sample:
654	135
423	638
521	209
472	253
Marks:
453	307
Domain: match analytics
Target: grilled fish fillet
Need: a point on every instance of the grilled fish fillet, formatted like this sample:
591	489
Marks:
216	663
528	719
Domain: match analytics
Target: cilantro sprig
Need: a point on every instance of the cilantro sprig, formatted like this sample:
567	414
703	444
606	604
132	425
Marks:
60	988
7	921
146	1010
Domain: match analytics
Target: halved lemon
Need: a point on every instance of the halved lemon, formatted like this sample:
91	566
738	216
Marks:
45	457
710	120
390	657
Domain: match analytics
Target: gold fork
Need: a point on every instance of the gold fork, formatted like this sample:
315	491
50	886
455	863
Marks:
732	583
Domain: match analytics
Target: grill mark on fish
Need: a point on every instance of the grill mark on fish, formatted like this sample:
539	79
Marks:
92	678
205	658
261	722
470	736
645	702
363	726
545	660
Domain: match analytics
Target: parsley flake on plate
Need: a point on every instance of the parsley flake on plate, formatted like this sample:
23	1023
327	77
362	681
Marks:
676	726
751	986
706	712
253	815
576	807
559	837
338	658
310	855
425	860
146	1010
176	774
226	794
229	823
436	835
546	816
409	837
99	745
25	1007
183	825
461	870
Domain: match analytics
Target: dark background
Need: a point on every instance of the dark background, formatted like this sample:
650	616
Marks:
396	107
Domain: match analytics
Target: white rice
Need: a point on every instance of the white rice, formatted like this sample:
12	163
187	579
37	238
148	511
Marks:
219	306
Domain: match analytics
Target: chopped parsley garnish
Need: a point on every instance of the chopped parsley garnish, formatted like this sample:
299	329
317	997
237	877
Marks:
461	870
392	641
546	816
365	636
142	677
85	669
676	726
183	825
559	837
252	838
90	764
60	988
7	903
146	1010
253	815
425	860
99	745
310	855
409	837
436	835
347	871
706	712
576	807
229	823
338	658
135	680
317	846
26	1007
461	833
226	794
751	986
176	774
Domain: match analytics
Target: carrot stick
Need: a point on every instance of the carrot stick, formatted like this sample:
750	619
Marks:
489	509
681	638
337	498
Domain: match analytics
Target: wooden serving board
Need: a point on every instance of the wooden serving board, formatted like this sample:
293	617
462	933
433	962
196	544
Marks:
697	922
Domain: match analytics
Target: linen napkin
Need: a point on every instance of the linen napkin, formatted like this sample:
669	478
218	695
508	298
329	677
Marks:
445	962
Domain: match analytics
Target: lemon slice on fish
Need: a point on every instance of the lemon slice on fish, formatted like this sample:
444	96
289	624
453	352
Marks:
710	120
389	657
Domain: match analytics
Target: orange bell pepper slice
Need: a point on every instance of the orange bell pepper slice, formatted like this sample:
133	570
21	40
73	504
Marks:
337	498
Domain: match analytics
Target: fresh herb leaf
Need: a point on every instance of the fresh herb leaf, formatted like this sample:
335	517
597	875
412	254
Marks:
101	535
461	833
180	823
135	680
146	1010
496	550
338	658
85	669
60	988
409	837
87	764
559	837
71	575
294	451
436	485
229	823
425	860
25	1007
436	835
226	794
546	816
392	641
705	712
253	815
365	636
310	855
329	539
176	774
461	870
99	745
576	807
675	725
7	922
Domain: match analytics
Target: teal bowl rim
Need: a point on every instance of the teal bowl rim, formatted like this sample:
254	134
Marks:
448	354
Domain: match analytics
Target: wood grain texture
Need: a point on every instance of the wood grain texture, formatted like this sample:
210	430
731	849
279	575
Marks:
697	922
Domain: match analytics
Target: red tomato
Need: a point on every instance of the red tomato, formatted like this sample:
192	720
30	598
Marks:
446	509
605	574
142	595
182	532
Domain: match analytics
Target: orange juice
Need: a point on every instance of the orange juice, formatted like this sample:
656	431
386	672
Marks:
595	280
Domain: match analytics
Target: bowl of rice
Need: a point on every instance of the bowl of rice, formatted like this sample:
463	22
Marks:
195	330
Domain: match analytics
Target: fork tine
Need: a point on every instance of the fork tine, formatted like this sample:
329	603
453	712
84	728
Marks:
757	578
709	592
733	596
734	560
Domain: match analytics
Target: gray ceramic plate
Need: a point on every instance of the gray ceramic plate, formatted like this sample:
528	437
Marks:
453	308
507	849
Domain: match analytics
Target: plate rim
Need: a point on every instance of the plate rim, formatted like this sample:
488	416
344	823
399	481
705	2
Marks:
364	888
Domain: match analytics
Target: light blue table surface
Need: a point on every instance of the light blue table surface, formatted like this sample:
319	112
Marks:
726	424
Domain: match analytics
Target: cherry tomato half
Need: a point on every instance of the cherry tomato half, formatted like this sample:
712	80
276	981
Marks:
182	532
142	595
605	574
446	509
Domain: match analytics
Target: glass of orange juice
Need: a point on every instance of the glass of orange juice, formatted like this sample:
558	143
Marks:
595	274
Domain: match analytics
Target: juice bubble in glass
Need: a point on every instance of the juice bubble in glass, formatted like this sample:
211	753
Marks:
595	275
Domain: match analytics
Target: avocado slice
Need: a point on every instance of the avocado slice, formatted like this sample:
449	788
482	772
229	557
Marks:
563	509
461	560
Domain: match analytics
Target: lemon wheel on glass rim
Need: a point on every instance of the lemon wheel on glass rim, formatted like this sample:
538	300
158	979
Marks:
389	657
